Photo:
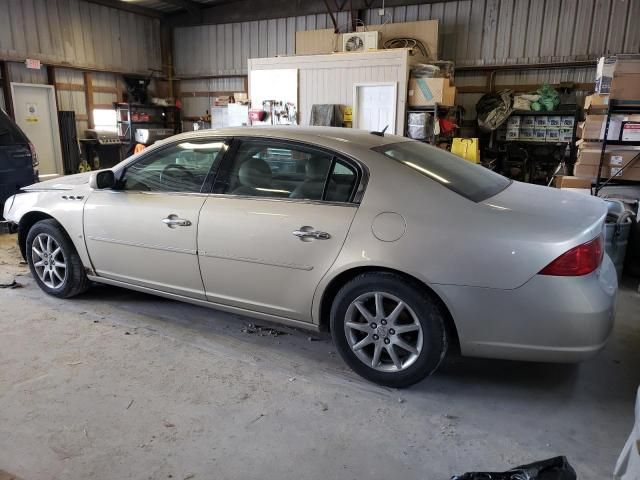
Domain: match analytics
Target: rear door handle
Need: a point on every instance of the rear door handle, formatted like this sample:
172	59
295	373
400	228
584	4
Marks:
173	221
308	233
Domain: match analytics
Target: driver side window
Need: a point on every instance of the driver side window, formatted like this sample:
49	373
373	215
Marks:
183	167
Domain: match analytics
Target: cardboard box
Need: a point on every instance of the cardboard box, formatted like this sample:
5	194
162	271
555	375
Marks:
566	181
429	91
528	121
631	173
541	121
566	135
513	133
589	171
553	135
631	132
610	67
527	133
514	121
594	126
540	134
589	154
597	101
626	87
554	121
567	122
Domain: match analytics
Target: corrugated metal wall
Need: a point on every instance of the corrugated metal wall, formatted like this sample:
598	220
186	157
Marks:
472	32
224	49
80	34
495	32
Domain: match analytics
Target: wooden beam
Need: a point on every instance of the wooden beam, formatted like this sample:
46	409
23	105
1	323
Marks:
70	87
206	94
6	88
88	93
105	106
531	87
113	90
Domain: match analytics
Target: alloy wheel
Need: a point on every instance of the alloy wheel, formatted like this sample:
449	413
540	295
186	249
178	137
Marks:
383	332
48	260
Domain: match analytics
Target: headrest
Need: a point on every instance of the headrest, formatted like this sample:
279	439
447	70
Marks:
255	173
316	168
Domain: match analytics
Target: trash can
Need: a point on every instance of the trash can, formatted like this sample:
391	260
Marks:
616	236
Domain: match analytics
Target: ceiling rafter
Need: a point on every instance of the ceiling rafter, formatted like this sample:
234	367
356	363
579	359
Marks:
129	7
189	5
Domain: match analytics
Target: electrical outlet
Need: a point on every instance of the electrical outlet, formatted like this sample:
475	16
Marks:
381	12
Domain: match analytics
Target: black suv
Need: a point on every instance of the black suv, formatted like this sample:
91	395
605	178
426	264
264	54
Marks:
18	160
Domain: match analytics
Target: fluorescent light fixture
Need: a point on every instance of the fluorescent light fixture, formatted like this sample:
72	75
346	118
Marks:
427	172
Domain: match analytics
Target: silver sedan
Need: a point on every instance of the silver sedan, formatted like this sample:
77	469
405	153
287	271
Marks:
403	251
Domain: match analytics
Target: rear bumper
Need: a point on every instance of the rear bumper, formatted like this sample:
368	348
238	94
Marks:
548	319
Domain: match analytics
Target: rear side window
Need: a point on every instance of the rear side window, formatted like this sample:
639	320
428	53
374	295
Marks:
467	179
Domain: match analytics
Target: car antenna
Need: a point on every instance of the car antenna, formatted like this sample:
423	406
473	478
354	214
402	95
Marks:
381	133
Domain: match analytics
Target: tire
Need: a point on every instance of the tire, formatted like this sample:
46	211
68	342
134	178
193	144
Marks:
418	348
65	276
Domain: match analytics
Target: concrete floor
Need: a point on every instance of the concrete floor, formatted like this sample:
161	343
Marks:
117	384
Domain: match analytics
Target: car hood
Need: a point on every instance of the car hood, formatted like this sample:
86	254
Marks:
69	182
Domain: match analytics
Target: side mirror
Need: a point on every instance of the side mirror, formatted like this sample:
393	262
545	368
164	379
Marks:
102	179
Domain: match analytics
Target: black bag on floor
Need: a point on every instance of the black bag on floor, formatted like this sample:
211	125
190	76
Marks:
556	468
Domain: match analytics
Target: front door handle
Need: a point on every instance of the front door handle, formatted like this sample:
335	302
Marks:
173	221
307	233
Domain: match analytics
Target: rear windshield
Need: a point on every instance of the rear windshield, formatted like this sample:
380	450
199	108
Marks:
465	178
10	133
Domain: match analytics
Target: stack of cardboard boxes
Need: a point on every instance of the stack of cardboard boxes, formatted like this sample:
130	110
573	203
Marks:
617	78
537	128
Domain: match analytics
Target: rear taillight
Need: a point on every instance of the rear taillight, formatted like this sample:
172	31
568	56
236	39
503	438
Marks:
34	155
580	260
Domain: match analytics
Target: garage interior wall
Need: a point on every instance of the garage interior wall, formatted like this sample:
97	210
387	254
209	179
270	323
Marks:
473	33
81	41
79	34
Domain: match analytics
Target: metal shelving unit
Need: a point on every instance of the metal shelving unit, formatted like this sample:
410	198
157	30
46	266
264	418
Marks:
159	117
617	107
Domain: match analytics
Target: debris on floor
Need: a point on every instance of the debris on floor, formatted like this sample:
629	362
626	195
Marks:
9	282
252	328
556	468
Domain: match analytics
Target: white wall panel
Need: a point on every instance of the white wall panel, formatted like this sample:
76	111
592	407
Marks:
79	34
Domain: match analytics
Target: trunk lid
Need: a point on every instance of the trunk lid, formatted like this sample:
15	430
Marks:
533	225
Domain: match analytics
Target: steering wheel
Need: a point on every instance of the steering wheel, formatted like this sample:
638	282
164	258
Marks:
184	172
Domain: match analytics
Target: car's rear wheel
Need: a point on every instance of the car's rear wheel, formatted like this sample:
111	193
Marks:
53	260
387	329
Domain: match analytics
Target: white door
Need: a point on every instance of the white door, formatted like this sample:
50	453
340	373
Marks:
35	112
274	226
144	231
375	106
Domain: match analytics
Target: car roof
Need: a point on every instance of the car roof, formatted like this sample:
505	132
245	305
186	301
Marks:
341	139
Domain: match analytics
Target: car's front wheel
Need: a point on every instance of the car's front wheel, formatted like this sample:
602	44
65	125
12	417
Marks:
53	260
387	329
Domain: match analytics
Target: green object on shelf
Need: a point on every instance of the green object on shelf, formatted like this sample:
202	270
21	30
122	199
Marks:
549	97
536	107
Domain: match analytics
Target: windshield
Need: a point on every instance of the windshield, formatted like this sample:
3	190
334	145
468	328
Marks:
465	178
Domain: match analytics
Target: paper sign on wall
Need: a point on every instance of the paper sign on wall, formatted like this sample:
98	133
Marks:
32	113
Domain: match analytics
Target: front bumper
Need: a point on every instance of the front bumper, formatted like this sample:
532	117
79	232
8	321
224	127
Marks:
548	319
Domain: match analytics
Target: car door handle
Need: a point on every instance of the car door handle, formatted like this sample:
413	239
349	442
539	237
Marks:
173	221
308	233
